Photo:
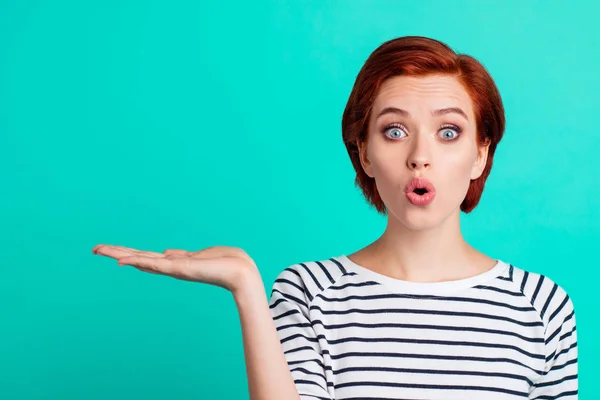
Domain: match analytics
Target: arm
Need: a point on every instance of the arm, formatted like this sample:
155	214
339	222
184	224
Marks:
560	379
290	309
269	377
231	268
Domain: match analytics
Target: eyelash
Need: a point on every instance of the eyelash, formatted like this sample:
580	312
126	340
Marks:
457	129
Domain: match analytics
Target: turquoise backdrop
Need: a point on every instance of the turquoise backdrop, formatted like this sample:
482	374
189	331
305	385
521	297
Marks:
187	124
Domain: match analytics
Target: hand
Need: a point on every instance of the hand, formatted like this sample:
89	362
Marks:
227	267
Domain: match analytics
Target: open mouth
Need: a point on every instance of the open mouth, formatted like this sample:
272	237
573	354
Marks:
420	191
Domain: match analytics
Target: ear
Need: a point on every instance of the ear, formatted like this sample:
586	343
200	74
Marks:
480	161
364	159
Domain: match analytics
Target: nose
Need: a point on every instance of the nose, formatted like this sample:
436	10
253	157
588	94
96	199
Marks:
417	163
420	156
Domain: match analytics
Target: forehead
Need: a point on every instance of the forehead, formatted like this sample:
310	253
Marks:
423	92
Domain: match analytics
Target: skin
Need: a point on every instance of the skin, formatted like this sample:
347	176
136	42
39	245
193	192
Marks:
423	145
231	268
404	250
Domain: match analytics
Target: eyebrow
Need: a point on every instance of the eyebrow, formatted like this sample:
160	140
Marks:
441	111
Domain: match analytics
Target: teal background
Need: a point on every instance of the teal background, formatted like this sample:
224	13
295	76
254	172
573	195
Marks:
184	124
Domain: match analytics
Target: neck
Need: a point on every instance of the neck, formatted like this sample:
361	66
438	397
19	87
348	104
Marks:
429	255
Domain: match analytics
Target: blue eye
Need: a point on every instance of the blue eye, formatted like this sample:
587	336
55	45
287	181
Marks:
450	133
394	132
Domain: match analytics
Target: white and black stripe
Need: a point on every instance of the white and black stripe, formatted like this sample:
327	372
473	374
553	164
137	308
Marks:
350	333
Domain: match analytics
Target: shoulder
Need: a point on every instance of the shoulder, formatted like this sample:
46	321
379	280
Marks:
551	301
305	280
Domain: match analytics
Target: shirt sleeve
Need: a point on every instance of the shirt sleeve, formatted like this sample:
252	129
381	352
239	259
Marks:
560	378
289	308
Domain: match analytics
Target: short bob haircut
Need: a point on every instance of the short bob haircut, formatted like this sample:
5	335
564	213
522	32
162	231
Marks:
420	56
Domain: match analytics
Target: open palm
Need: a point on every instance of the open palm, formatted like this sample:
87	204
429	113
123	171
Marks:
222	266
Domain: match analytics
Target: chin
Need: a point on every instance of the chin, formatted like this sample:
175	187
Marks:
418	218
420	223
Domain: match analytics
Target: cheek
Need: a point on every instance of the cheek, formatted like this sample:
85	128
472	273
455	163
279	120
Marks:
456	174
388	167
460	162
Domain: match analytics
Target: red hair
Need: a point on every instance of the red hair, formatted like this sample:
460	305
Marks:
419	56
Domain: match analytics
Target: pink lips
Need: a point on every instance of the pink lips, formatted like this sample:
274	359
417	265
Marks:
414	190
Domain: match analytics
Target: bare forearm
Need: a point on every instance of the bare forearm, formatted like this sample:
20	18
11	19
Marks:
268	374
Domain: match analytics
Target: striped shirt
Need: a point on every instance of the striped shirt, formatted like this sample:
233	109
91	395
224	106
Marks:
351	333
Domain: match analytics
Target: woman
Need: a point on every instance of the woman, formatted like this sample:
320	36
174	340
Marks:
418	313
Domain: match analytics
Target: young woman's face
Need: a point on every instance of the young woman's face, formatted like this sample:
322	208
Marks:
423	127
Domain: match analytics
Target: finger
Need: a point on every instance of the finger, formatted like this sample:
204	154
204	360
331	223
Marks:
136	251
109	246
96	247
176	252
221	251
112	251
157	265
121	251
146	270
209	252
